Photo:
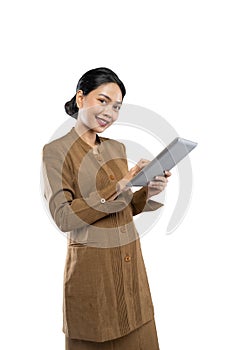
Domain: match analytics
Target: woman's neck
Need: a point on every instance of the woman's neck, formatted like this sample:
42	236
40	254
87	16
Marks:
89	136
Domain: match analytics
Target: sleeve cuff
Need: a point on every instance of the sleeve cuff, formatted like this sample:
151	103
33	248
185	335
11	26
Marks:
140	203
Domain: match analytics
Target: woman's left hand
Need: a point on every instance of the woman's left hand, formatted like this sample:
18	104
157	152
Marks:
158	184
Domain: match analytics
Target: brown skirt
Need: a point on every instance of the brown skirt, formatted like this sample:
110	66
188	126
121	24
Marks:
143	338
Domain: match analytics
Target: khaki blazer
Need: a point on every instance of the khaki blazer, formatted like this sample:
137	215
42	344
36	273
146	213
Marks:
106	291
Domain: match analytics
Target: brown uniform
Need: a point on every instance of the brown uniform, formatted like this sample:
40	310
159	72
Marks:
106	291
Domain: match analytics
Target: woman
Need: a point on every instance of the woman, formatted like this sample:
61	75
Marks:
107	302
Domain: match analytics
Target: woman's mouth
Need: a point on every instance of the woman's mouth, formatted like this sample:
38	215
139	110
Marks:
101	122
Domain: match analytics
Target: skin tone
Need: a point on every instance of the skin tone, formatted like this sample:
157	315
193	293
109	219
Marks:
98	111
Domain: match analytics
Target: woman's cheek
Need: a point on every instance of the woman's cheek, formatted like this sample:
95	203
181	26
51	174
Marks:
97	110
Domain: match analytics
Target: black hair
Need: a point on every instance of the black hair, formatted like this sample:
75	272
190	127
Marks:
91	80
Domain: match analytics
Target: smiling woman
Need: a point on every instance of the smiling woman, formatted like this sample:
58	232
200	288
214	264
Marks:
98	99
107	300
99	109
90	81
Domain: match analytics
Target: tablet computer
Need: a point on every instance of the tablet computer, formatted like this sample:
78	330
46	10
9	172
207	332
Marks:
166	160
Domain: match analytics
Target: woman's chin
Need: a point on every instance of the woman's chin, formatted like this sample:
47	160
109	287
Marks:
99	129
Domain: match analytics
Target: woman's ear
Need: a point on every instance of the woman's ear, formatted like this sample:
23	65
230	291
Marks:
79	98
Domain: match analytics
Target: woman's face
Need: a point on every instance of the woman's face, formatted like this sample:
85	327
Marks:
100	108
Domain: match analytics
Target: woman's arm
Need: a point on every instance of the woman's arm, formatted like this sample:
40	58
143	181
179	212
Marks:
71	213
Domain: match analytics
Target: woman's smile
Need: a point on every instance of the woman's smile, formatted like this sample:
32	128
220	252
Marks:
101	121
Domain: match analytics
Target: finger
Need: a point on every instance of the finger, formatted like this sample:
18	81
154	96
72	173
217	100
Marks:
143	162
167	173
157	185
160	179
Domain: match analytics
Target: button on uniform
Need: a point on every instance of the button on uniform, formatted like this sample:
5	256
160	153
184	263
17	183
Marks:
127	258
111	177
103	200
123	229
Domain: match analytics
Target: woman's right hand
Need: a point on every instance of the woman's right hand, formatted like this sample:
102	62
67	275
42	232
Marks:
130	174
138	167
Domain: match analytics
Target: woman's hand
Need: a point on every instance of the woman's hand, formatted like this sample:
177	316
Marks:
130	174
158	185
135	170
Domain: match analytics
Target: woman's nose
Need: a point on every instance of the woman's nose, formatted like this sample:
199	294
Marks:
108	111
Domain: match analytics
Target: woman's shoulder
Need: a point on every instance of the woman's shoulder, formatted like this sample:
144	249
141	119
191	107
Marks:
59	146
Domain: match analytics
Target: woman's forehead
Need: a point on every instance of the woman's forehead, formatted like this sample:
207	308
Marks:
110	90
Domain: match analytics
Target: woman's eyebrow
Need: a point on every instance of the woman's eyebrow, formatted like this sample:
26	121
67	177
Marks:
108	98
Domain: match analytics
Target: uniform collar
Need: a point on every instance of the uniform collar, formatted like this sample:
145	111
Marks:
81	141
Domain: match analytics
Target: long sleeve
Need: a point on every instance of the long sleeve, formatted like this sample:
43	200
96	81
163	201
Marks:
140	203
71	213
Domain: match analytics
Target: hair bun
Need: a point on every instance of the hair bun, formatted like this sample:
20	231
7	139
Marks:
71	107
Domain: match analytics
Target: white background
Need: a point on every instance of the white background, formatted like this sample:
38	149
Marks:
175	57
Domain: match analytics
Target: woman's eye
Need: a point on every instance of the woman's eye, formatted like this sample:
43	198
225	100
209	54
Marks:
103	102
116	107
